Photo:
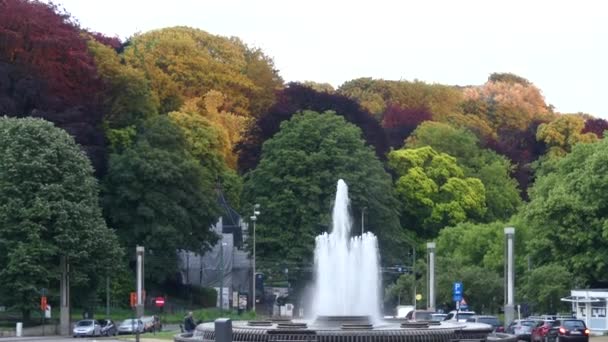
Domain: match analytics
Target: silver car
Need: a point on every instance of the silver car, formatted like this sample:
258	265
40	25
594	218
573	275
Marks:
86	327
131	326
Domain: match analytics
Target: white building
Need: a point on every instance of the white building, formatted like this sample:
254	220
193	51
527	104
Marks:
590	306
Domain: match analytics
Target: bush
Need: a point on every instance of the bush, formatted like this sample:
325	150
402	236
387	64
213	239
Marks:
204	296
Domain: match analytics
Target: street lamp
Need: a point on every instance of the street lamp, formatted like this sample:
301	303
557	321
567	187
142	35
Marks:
222	244
254	218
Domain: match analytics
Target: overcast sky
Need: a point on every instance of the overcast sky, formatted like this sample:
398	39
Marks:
561	46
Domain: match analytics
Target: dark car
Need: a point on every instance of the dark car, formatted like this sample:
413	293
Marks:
568	330
420	315
540	331
522	328
491	320
108	328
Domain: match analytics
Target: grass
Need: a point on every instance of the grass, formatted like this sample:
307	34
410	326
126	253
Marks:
165	335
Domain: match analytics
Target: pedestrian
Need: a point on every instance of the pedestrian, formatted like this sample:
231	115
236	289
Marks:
189	325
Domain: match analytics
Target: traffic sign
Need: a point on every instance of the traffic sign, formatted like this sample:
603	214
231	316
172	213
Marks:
43	303
159	301
463	304
133	299
457	292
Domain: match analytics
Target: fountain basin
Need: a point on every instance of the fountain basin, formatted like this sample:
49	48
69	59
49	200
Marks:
321	331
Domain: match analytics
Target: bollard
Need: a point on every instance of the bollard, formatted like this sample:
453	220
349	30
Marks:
19	329
223	330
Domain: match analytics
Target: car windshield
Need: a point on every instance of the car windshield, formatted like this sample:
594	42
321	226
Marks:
424	316
574	325
129	321
437	317
84	323
465	315
489	320
528	323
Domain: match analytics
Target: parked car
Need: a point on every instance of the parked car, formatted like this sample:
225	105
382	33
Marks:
131	326
86	327
568	330
491	320
108	328
437	317
522	328
419	315
540	331
460	316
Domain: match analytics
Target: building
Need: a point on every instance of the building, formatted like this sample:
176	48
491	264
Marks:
590	306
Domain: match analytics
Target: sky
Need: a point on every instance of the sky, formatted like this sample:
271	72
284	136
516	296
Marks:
560	46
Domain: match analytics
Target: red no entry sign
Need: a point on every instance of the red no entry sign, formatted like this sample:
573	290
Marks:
159	301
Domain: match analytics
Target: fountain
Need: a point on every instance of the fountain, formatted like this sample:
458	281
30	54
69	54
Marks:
346	303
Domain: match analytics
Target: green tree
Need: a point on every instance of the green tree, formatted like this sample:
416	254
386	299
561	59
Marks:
563	133
433	190
566	213
295	184
48	209
158	196
544	286
502	194
127	98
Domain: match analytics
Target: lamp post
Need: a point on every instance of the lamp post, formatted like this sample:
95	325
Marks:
253	218
430	247
222	244
510	274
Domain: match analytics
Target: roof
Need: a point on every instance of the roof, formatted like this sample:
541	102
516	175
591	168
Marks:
582	299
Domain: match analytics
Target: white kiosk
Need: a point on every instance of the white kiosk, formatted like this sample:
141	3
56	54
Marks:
590	305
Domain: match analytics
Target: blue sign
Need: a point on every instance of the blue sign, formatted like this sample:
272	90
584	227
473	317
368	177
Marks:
457	292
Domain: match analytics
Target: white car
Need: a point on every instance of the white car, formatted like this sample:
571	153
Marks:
131	326
86	327
462	315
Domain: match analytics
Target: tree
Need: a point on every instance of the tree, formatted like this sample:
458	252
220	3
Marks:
562	133
294	98
506	101
46	71
566	214
295	183
502	194
399	123
127	97
597	126
158	196
433	190
183	63
375	95
544	286
207	144
48	209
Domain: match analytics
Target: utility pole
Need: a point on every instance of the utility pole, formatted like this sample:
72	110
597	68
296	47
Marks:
253	218
414	271
64	315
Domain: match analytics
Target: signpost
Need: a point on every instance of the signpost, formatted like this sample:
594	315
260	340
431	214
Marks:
159	301
457	290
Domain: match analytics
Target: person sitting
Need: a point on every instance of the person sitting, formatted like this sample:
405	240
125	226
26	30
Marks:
189	325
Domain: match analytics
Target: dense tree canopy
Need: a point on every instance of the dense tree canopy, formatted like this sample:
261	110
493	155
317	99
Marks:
561	134
158	196
46	71
434	191
295	184
295	98
566	213
502	194
49	208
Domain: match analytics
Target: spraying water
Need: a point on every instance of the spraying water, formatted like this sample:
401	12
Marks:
346	268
